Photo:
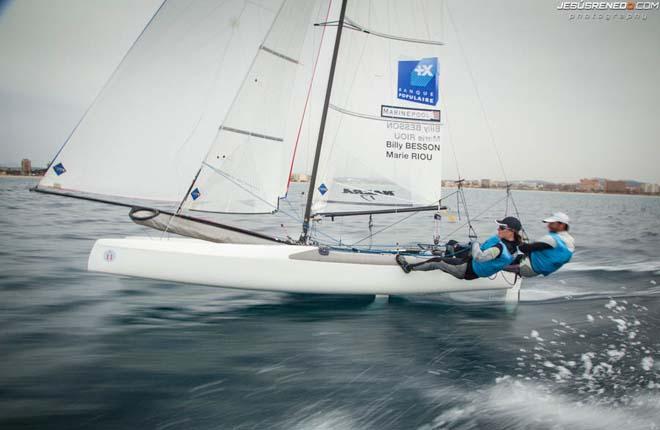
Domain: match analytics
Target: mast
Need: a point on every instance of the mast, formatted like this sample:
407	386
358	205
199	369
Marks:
324	115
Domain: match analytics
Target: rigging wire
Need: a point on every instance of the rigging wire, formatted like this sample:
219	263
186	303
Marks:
460	196
385	228
486	119
476	90
395	223
475	218
471	233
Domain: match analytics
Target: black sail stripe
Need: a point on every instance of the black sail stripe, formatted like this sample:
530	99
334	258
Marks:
250	133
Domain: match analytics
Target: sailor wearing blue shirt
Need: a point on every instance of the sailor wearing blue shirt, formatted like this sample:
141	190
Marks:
484	259
550	252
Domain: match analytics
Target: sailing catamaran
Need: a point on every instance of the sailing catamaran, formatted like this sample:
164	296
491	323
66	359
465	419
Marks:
218	92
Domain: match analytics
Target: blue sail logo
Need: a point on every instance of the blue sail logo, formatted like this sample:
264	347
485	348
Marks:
195	194
59	169
418	81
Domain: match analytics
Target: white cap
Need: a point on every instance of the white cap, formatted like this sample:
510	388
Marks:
558	217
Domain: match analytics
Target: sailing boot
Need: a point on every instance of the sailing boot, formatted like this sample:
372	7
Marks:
403	263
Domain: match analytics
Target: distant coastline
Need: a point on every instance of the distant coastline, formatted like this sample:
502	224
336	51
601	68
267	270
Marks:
589	193
21	176
596	186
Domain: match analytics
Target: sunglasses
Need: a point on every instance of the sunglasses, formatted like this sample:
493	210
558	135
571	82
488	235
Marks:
503	227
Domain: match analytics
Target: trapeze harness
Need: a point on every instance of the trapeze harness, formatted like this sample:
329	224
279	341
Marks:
550	260
489	268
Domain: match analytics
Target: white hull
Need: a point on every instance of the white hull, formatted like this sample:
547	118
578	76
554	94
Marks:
285	268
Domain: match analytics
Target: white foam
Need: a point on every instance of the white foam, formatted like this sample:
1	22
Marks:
647	363
517	404
535	335
611	304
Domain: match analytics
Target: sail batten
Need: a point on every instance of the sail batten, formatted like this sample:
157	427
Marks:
251	133
279	54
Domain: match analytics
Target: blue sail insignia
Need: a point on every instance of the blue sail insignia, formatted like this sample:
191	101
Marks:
418	81
195	194
59	169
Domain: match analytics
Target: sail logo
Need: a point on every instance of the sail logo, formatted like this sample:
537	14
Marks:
59	169
109	255
418	81
195	194
365	194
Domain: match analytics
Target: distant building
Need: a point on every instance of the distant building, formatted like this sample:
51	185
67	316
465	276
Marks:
299	177
650	188
634	188
26	167
485	183
594	185
615	186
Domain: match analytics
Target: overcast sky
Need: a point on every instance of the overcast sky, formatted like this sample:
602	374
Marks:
566	98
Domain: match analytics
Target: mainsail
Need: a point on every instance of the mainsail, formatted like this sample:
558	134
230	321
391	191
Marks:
381	143
150	127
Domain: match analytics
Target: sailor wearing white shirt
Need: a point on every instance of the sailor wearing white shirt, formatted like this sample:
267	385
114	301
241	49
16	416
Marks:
550	252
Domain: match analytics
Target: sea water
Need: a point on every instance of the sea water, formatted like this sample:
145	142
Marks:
86	350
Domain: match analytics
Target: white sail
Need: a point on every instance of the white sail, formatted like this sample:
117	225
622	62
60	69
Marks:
150	127
383	136
247	167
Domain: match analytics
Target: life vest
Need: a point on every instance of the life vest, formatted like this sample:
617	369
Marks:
483	269
549	260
